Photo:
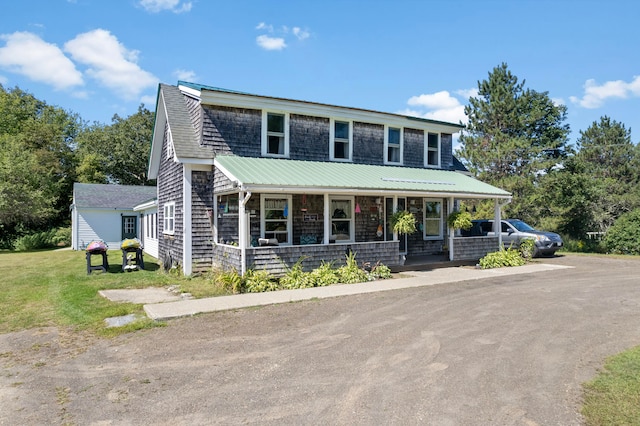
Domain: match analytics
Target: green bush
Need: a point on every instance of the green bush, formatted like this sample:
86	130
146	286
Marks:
623	237
258	281
380	271
527	247
583	246
296	277
498	259
351	273
324	275
40	240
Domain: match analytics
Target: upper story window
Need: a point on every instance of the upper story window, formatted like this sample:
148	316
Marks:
341	145
169	219
432	155
393	145
275	134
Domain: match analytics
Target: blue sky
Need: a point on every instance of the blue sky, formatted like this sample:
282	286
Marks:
98	58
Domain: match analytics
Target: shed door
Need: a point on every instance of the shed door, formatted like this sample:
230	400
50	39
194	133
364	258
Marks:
129	227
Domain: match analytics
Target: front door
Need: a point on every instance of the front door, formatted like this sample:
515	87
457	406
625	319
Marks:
129	227
388	205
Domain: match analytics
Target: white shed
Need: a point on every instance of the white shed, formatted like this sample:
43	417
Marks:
106	212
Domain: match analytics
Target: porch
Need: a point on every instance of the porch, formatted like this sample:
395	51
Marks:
270	214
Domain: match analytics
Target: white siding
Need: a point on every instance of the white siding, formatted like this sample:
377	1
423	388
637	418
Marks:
149	234
105	225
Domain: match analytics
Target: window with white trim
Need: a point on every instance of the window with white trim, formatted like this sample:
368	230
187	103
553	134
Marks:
275	217
433	215
342	214
340	137
393	145
169	218
432	156
275	134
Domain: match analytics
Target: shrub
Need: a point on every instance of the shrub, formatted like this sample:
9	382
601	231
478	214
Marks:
296	277
380	271
257	281
230	280
324	275
498	259
39	240
527	247
623	237
351	273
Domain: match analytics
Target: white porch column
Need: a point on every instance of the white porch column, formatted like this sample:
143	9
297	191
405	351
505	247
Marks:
242	233
497	222
327	220
450	203
214	213
395	209
187	232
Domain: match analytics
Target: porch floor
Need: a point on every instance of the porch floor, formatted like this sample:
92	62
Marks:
429	262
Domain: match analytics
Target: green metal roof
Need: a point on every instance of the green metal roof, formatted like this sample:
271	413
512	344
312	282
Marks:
255	174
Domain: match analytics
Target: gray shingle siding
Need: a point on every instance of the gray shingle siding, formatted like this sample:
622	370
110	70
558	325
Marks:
202	220
446	151
308	138
368	143
170	190
413	148
232	130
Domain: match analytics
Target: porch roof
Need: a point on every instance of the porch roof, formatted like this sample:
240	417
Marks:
281	175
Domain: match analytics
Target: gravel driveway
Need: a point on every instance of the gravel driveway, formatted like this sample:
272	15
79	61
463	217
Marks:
510	350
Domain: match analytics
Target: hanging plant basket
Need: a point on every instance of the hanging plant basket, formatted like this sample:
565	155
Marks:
403	222
460	220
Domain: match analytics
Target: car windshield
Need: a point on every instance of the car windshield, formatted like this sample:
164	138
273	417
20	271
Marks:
521	226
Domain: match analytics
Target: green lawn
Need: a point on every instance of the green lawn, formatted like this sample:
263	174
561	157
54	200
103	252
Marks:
52	288
613	397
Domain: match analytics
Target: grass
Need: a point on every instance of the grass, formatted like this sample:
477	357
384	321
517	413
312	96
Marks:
52	288
613	397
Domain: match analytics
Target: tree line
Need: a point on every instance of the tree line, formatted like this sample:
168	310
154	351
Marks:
516	138
44	149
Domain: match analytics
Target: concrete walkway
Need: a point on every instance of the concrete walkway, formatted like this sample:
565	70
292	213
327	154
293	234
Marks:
183	308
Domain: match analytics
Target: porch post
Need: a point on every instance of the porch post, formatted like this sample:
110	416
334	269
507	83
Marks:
215	219
450	203
497	222
327	220
395	209
242	233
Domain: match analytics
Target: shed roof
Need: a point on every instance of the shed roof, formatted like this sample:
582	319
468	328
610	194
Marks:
103	196
270	174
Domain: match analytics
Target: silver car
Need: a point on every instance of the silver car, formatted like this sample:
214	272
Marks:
515	230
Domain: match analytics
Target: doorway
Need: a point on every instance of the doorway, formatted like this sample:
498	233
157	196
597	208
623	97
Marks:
388	208
129	227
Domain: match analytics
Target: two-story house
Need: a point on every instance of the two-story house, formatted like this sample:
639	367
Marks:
247	181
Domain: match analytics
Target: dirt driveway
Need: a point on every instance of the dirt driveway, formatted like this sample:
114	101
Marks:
509	350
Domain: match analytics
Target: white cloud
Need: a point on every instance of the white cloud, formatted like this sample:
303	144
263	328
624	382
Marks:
434	100
4	80
440	106
468	93
595	95
277	39
185	75
155	6
27	54
110	63
270	43
300	33
263	26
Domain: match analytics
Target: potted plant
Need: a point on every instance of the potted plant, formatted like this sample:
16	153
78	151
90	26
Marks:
403	222
459	220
